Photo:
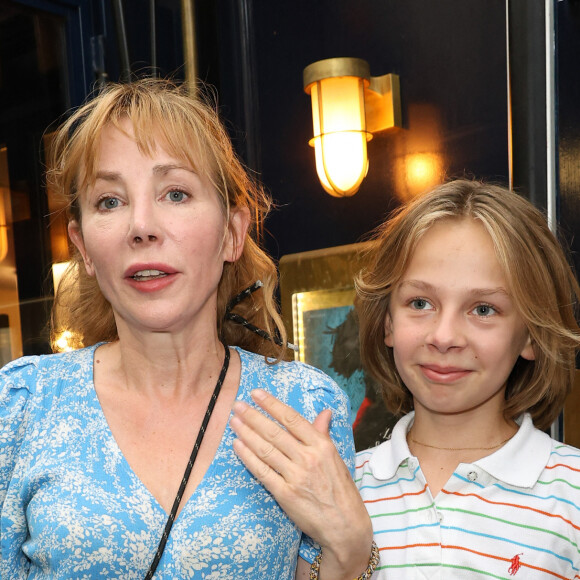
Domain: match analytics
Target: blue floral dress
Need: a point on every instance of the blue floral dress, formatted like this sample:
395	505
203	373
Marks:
71	507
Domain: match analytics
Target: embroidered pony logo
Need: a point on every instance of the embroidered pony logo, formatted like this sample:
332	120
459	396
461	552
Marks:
516	565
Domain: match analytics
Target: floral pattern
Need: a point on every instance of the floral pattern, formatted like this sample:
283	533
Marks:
71	507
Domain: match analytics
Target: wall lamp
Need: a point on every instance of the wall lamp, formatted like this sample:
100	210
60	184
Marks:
348	105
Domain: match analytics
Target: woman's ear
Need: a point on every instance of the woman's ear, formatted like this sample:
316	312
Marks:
388	331
236	235
76	236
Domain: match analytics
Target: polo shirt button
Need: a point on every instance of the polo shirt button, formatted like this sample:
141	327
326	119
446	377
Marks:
472	476
412	464
440	516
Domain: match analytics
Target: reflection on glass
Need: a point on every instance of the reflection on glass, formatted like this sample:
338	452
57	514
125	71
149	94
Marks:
10	333
57	272
420	163
33	94
422	171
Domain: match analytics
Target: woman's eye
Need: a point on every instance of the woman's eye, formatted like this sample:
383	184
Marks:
484	310
109	203
420	304
176	195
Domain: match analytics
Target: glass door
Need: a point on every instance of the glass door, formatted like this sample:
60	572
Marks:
42	73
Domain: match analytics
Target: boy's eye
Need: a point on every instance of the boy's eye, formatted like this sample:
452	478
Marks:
176	195
484	310
420	304
109	203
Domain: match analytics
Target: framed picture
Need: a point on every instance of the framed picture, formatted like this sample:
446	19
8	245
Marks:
317	292
326	333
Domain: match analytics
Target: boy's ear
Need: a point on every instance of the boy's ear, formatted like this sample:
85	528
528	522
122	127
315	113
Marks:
528	350
388	331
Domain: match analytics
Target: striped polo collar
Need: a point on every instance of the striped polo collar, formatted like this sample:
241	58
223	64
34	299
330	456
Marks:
519	462
522	459
388	456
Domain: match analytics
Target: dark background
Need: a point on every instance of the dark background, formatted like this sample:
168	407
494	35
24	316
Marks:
451	55
451	59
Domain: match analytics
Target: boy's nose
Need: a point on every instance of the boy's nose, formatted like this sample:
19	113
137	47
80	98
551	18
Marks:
447	332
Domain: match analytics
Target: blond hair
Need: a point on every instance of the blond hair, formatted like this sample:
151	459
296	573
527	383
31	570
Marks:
540	281
190	130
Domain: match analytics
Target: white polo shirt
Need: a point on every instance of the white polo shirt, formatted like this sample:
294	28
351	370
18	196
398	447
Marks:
512	514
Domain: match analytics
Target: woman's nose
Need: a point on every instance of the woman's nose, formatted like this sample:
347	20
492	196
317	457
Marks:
139	239
145	225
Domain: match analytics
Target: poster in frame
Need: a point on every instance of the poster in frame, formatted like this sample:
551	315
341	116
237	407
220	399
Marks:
326	335
317	294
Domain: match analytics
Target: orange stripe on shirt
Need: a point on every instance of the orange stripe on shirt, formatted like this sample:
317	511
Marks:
396	496
562	465
512	505
433	545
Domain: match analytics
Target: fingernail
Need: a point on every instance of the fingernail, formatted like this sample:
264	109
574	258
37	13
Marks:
239	407
258	394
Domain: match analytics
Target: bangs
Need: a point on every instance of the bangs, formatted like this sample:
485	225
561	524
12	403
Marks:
171	121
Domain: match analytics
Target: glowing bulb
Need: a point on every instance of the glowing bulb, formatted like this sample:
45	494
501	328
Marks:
340	137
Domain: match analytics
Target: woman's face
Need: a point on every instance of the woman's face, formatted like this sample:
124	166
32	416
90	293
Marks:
154	234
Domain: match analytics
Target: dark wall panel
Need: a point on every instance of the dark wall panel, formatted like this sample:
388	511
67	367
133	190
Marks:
451	58
569	124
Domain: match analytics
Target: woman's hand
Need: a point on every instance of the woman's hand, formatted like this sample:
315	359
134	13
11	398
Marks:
300	467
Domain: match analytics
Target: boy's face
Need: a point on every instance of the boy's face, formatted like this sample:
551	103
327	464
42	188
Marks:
453	327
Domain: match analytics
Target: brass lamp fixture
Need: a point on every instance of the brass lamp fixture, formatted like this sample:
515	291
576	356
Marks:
348	105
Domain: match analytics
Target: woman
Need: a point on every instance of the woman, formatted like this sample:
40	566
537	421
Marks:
94	442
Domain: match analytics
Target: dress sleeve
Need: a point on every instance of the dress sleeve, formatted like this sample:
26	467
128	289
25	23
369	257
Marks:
17	381
323	393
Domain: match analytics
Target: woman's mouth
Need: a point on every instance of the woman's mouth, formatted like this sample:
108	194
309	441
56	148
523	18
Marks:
144	275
